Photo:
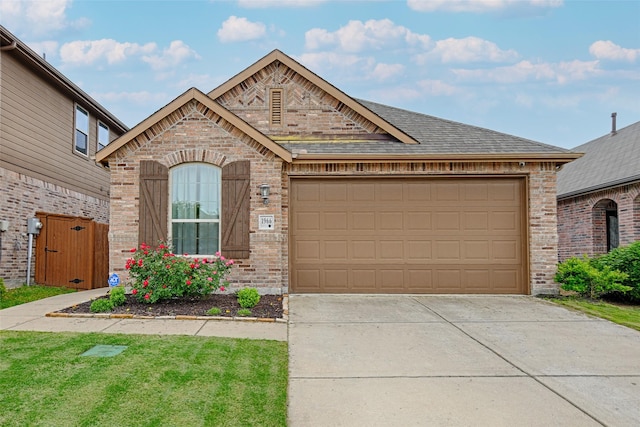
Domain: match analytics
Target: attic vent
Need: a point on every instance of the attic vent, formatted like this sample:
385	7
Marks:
275	107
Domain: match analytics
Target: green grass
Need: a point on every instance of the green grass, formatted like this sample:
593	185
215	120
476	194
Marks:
156	381
24	294
626	315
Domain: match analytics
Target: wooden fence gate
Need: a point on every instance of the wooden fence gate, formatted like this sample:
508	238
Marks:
72	252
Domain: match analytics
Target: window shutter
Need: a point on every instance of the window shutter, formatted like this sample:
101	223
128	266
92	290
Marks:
154	194
235	209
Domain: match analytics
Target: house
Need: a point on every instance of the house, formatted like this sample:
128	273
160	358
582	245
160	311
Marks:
311	190
599	195
50	131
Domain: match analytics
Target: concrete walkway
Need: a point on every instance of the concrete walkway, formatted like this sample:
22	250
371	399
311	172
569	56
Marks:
457	361
32	317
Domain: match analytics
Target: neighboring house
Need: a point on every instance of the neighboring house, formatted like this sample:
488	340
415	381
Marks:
599	195
50	131
362	197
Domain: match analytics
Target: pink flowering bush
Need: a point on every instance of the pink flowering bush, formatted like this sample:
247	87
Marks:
160	274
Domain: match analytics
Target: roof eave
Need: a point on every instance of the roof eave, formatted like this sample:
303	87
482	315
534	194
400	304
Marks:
102	155
63	82
599	187
558	158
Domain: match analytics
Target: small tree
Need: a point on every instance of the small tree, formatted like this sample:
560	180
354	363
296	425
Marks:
579	275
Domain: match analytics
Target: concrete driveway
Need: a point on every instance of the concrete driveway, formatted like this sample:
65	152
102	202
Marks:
457	360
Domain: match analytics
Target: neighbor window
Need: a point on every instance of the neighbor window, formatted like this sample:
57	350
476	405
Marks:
195	209
103	135
82	131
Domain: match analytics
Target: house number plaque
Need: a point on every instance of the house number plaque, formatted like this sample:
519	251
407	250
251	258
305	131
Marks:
265	222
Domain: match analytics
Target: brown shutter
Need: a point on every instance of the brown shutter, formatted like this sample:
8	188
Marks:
154	194
235	209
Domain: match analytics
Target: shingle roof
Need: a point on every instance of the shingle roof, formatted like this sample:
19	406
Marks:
435	136
608	161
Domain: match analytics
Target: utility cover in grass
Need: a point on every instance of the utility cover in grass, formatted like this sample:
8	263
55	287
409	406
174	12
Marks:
104	350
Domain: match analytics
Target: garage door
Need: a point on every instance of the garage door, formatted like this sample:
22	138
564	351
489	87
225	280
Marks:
400	235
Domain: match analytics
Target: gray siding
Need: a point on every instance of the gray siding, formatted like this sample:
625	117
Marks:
37	128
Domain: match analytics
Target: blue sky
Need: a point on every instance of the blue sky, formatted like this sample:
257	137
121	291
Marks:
548	70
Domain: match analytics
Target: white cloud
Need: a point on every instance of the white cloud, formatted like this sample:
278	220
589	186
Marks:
468	49
357	36
48	48
323	61
237	29
478	6
87	52
383	72
38	17
562	72
175	54
261	4
609	50
437	88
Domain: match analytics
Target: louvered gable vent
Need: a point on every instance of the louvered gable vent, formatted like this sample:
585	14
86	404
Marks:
275	107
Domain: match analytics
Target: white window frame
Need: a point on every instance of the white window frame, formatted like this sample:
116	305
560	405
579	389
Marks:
85	132
100	144
209	220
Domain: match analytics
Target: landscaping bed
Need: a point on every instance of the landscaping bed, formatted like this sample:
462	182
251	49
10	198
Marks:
269	307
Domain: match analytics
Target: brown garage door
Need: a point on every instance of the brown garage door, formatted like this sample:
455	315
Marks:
406	235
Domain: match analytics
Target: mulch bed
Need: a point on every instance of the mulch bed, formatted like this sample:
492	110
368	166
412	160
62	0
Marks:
269	307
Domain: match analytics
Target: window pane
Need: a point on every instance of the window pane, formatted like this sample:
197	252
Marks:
82	120
195	238
195	196
195	192
103	136
81	142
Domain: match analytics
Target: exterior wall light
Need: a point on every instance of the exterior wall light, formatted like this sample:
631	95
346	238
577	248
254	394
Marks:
264	193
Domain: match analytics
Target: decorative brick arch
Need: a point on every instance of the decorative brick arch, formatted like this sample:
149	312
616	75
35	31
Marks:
599	225
193	155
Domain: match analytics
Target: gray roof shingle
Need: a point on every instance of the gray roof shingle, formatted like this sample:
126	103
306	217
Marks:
434	135
608	161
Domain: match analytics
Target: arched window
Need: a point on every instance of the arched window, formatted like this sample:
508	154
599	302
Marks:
195	208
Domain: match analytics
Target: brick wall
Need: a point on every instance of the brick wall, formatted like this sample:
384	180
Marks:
196	134
23	196
582	223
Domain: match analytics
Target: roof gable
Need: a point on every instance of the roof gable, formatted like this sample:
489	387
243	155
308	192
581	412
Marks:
612	159
237	84
175	105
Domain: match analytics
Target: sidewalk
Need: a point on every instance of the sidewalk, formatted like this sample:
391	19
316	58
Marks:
33	317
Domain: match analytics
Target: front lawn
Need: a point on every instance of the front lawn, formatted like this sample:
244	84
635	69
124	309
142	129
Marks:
24	294
627	315
156	381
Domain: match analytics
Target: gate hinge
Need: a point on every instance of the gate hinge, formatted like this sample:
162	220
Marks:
76	281
78	228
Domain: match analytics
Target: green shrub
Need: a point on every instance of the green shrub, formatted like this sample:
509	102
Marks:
214	311
627	260
248	297
3	289
101	305
581	276
116	296
160	274
244	312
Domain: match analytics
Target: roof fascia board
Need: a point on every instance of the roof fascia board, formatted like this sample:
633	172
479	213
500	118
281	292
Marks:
600	187
559	158
63	82
181	100
277	55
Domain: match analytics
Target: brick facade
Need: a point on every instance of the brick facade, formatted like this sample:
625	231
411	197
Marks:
582	220
22	197
195	133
